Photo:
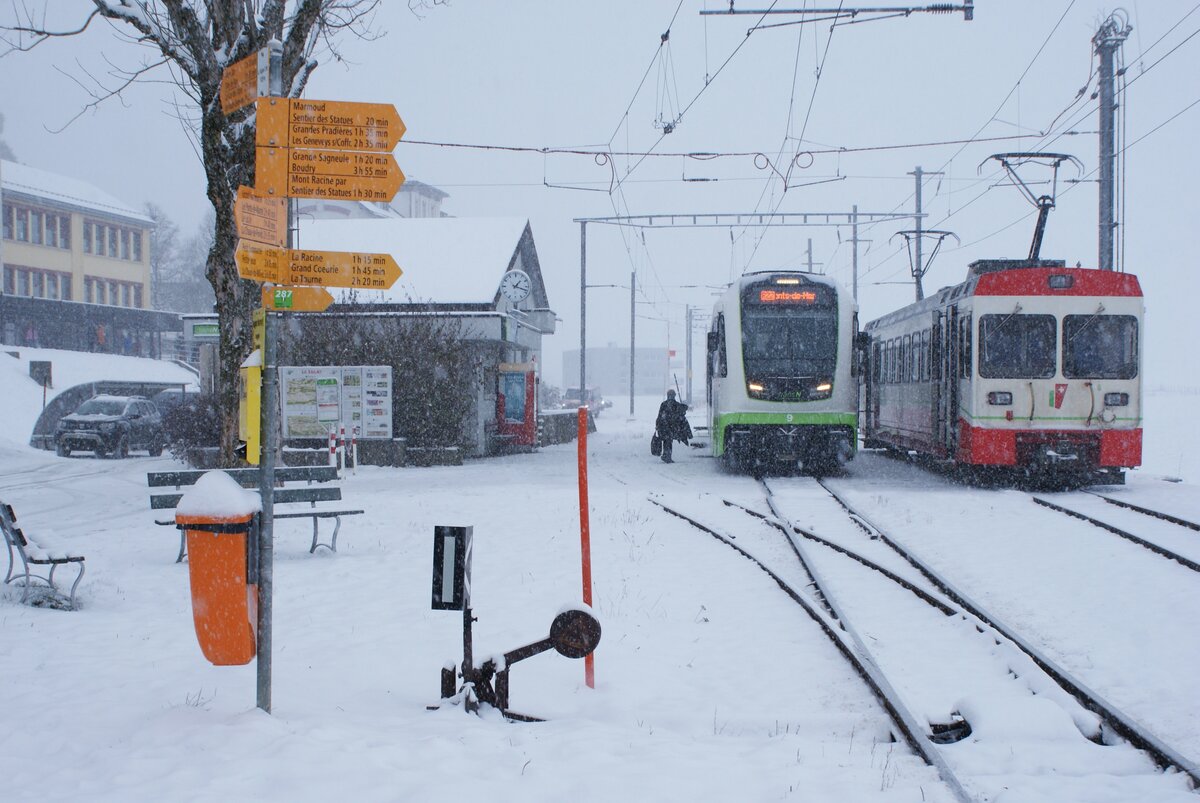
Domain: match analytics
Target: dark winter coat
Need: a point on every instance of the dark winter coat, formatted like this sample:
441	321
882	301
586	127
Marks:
670	423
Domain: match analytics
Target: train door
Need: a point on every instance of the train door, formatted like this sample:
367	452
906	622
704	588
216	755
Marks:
946	388
936	381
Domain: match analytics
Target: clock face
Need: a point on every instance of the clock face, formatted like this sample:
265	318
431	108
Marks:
515	285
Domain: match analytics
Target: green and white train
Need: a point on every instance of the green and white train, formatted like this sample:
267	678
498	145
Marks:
782	373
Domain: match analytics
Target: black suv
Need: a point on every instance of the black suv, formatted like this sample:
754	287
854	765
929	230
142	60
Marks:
111	425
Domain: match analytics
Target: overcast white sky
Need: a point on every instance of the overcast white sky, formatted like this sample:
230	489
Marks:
540	73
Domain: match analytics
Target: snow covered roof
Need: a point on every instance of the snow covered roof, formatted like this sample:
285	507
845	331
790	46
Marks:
64	191
444	260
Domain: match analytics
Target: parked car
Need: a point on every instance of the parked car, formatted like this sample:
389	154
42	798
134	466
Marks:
111	425
175	397
590	399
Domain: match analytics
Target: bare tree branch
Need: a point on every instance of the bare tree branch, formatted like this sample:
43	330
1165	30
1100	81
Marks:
197	40
38	32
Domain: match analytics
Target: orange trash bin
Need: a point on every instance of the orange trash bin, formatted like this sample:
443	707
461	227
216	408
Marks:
221	523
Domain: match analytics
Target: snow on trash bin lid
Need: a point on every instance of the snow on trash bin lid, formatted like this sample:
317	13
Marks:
217	497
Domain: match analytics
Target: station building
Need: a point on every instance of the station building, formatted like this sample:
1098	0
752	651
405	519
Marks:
452	269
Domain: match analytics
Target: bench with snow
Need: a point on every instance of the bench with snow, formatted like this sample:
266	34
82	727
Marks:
249	478
45	551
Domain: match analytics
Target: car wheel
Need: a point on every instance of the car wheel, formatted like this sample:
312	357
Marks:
122	450
62	450
101	452
156	447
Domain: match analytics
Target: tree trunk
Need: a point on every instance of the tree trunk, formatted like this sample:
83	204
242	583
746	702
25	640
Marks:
226	164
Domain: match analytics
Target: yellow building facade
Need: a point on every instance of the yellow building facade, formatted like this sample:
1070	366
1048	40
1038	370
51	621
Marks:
64	239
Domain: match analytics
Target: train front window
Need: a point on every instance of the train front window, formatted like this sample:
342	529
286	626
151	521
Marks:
1015	346
1100	346
789	342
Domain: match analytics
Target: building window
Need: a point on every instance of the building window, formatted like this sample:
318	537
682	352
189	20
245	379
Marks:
137	296
87	237
112	241
64	231
124	243
137	247
10	280
8	222
22	225
89	284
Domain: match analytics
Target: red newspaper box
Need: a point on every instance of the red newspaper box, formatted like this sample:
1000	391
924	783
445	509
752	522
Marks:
221	522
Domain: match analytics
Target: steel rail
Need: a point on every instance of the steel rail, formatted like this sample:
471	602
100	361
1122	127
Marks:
783	524
1163	755
1142	542
858	656
1145	511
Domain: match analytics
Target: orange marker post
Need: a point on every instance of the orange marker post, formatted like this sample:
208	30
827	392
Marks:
585	539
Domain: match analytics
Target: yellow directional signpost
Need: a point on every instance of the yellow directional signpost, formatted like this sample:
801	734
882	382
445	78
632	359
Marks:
317	268
260	219
296	299
329	124
343	269
244	81
330	175
261	264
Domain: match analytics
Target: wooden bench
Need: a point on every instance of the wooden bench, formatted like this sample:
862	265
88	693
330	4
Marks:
46	551
249	478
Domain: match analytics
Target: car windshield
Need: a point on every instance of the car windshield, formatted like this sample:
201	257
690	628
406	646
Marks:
101	407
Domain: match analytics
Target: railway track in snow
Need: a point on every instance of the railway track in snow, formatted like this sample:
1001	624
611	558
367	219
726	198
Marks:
1156	514
1151	543
953	633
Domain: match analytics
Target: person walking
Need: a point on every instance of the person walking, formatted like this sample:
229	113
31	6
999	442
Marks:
671	425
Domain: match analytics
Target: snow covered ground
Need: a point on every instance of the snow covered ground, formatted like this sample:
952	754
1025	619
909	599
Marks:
711	684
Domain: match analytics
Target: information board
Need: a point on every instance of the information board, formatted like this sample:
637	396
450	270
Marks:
317	398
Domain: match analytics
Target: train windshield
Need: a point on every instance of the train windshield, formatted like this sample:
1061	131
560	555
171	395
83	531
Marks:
1015	346
789	332
1100	346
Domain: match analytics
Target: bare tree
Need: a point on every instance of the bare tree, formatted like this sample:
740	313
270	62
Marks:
196	40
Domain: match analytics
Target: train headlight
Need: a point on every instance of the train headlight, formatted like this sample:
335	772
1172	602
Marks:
1116	399
824	387
755	388
1000	397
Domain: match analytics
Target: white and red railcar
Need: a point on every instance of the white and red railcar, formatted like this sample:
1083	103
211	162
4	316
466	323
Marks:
1026	364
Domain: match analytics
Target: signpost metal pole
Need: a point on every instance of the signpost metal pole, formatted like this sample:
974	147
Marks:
582	310
270	416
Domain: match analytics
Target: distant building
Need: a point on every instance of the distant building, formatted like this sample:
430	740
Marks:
76	267
65	239
608	370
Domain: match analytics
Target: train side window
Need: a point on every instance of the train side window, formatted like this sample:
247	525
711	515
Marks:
891	360
906	362
875	357
722	367
964	358
926	358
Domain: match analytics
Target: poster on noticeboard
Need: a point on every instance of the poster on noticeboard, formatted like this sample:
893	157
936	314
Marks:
320	398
